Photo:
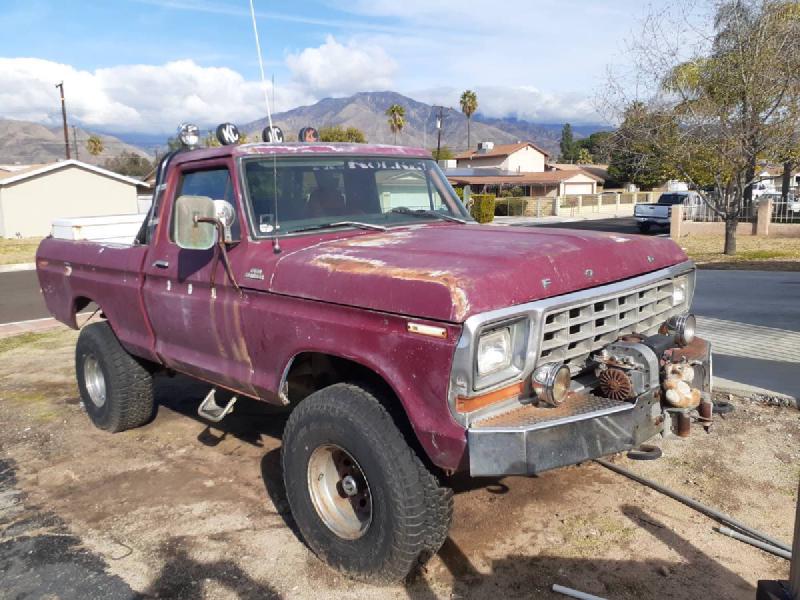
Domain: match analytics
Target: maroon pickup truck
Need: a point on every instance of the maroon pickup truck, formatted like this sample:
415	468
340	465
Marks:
348	283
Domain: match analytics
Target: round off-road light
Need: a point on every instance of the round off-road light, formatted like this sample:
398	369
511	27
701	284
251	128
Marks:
684	327
189	135
551	383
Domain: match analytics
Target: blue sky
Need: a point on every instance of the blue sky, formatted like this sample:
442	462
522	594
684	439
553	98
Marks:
139	65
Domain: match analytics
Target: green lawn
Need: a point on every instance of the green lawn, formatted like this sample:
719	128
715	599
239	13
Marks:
768	253
18	251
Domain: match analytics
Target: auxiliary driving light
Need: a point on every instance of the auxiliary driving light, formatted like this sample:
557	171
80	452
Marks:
683	327
551	383
189	135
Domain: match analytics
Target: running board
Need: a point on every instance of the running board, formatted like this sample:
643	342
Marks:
210	410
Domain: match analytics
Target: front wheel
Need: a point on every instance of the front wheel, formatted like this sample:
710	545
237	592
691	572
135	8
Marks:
361	498
644	227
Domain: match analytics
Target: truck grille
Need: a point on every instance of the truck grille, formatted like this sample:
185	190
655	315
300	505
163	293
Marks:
571	333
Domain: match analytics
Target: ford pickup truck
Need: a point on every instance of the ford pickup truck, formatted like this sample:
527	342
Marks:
348	283
659	214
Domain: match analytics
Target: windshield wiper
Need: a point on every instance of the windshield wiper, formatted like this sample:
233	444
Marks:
358	224
422	212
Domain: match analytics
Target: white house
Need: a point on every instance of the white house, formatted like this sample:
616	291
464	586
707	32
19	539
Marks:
522	157
33	196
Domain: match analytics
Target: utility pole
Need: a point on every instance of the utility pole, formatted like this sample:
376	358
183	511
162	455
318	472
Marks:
75	141
60	86
439	123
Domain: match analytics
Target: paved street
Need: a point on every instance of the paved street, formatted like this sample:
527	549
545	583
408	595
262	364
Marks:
752	317
20	299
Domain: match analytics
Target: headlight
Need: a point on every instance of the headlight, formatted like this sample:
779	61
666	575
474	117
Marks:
683	290
494	351
684	327
551	383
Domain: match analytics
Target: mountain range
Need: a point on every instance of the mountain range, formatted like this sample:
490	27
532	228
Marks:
367	112
25	142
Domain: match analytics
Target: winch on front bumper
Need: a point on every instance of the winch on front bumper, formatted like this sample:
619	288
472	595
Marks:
640	386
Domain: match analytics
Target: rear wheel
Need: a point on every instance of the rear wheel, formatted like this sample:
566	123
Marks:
361	498
116	388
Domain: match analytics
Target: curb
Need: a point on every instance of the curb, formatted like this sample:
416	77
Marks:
752	392
17	267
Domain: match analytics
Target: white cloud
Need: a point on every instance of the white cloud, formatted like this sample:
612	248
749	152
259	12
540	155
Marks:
156	98
336	69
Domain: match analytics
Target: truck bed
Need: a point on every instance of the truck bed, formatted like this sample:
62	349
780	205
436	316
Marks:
110	273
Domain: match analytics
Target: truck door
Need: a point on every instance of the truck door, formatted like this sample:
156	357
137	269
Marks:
197	326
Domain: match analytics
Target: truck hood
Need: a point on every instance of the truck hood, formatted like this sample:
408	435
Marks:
449	272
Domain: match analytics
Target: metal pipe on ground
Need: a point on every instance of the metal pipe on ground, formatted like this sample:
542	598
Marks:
691	503
560	589
754	542
794	573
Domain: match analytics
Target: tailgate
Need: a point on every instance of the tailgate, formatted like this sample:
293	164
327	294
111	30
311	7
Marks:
657	211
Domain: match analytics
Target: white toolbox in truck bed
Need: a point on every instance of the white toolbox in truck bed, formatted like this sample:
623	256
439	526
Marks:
110	229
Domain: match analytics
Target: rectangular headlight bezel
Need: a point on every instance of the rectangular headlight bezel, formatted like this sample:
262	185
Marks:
519	332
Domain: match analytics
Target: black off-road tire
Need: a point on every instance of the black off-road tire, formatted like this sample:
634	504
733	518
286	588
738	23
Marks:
411	512
644	227
129	398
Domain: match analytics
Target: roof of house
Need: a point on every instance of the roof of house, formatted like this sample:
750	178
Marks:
499	151
14	173
600	171
545	178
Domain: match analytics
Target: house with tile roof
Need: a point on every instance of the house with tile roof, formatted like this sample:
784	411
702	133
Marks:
491	168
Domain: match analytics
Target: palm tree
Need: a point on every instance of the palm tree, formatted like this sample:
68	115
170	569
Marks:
397	119
94	145
469	104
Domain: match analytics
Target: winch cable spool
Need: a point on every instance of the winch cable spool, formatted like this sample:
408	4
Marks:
616	384
691	503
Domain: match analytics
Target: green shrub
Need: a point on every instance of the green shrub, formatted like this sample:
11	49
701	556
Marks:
459	192
510	207
482	207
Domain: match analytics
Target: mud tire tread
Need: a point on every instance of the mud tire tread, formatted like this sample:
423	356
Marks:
129	381
419	510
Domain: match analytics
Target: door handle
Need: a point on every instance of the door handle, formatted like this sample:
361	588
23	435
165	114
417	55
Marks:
161	264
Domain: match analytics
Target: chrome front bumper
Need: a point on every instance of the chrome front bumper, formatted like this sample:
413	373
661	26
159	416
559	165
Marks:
531	439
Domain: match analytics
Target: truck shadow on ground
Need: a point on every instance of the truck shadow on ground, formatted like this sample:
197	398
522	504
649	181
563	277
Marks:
184	577
519	576
249	421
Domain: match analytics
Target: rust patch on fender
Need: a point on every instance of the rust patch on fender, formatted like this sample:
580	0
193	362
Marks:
363	266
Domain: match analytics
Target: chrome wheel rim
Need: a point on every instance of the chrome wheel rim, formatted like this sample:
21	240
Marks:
339	491
95	381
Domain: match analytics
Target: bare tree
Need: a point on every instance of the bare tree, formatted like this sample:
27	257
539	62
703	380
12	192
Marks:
717	93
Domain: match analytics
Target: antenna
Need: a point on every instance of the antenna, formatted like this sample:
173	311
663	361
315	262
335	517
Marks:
276	245
261	64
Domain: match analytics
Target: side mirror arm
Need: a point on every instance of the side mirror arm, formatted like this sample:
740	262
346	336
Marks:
223	254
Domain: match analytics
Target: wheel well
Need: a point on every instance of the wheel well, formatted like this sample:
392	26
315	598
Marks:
80	303
312	371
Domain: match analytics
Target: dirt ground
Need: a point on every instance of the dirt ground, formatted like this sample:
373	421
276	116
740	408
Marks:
177	509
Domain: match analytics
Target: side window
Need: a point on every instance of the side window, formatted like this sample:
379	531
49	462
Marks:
216	184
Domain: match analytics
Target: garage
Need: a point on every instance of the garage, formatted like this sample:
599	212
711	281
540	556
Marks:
33	196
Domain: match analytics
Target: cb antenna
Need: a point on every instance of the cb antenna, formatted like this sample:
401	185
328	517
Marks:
275	242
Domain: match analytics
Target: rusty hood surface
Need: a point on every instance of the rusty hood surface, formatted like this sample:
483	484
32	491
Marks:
449	272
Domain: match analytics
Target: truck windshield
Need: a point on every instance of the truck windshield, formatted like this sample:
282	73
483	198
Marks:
313	193
672	198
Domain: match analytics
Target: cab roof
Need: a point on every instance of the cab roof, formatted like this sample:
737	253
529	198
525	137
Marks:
300	149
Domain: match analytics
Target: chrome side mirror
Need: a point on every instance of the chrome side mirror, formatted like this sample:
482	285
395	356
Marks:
192	228
226	215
